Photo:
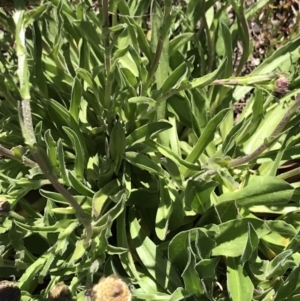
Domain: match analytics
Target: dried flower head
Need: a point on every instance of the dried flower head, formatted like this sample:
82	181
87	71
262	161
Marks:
281	86
9	291
4	206
111	288
60	292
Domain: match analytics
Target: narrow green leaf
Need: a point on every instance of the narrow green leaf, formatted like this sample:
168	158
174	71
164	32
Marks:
179	41
76	99
205	80
38	64
287	288
117	27
80	163
31	272
280	264
197	195
79	251
175	78
61	160
79	186
51	148
178	247
35	14
257	116
190	275
42	228
239	284
158	267
251	246
47	265
261	191
173	170
142	99
228	49
54	196
230	142
144	162
164	210
87	77
141	37
64	237
126	259
206	137
165	151
112	213
89	31
269	296
61	117
100	197
158	24
146	131
117	144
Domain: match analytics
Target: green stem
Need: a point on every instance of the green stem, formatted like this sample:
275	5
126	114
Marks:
210	49
106	41
245	37
159	47
45	165
289	174
15	216
12	264
10	154
27	124
250	80
284	121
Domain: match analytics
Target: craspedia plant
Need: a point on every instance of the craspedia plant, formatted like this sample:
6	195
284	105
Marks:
60	292
128	157
9	291
111	288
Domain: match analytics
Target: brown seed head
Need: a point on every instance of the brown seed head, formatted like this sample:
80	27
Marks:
282	85
4	206
9	291
60	292
111	288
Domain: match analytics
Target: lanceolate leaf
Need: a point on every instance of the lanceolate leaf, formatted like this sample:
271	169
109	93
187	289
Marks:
239	284
261	191
206	137
205	80
143	162
164	210
231	238
158	266
146	131
117	145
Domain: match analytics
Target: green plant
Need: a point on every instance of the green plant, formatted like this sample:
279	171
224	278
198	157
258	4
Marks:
124	154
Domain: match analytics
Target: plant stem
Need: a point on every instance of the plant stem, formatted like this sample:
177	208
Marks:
250	80
106	41
245	37
10	154
210	50
12	264
289	174
45	165
284	121
159	47
27	124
